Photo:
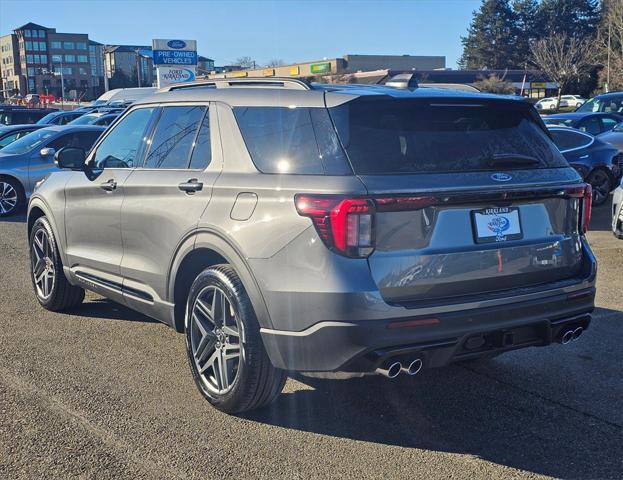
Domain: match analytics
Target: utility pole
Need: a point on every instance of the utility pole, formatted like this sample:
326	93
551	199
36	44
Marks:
105	70
608	63
60	57
138	67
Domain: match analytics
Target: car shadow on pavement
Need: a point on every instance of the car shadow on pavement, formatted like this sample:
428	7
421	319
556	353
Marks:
102	308
19	218
473	409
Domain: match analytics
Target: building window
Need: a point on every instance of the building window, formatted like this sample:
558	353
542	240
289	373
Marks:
56	45
28	58
36	59
82	59
42	46
92	49
35	46
83	71
68	45
44	59
29	46
27	33
93	70
31	85
81	46
70	58
31	71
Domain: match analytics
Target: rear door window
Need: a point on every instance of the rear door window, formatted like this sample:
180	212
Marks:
294	140
173	137
591	125
402	136
569	140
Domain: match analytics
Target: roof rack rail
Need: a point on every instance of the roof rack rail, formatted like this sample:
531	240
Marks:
273	82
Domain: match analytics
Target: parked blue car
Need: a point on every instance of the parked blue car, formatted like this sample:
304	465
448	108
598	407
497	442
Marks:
60	118
28	160
589	122
599	163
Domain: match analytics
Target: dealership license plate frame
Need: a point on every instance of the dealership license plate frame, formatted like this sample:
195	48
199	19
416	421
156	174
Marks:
511	214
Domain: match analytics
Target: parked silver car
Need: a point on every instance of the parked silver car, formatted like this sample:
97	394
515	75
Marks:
285	226
26	161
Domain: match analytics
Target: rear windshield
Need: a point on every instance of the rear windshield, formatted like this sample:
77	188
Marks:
397	136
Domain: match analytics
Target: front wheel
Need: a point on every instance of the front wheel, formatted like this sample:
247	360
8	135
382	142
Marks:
52	289
225	351
12	197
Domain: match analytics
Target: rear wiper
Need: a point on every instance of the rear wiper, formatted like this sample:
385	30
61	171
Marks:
511	159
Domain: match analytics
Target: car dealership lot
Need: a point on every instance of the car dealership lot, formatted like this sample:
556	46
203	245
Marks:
106	393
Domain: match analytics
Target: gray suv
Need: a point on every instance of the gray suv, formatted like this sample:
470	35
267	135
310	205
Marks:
285	226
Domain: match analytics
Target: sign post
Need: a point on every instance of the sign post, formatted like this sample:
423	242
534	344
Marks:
175	61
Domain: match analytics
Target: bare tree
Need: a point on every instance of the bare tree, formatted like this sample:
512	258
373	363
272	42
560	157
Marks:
275	62
245	62
564	59
611	44
495	84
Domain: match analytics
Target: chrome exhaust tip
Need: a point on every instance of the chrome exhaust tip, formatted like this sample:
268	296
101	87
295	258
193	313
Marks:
414	367
567	337
392	371
577	333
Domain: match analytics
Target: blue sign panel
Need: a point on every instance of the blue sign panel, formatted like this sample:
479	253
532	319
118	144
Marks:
175	57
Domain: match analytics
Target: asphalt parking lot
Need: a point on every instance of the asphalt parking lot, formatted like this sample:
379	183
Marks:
106	393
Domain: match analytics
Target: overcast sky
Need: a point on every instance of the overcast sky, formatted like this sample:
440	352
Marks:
290	30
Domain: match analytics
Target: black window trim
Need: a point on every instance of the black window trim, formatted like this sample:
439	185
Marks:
576	132
152	131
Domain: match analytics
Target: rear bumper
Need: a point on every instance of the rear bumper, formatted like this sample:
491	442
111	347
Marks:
364	345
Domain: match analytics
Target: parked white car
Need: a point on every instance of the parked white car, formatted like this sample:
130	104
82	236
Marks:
571	101
548	103
617	212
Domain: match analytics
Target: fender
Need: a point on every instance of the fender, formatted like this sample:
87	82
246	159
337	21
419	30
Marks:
59	235
210	239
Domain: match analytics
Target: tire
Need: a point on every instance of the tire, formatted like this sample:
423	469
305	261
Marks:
12	197
53	290
217	308
602	186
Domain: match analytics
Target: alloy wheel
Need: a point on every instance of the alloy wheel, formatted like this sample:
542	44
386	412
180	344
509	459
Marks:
600	182
42	264
215	339
8	198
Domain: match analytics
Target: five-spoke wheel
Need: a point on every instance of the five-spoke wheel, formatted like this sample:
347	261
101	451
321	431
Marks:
42	264
11	196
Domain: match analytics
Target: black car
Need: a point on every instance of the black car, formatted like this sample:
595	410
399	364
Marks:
10	133
592	123
599	163
15	115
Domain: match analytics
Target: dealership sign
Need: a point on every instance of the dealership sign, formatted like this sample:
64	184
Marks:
175	60
174	52
170	75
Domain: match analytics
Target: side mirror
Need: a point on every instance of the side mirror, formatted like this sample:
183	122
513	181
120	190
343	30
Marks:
71	158
47	152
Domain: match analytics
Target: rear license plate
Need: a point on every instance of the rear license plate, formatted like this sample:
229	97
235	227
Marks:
497	224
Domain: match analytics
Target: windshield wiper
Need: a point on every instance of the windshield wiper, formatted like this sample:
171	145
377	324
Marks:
511	159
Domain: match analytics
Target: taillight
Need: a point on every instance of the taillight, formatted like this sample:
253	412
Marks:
345	225
587	206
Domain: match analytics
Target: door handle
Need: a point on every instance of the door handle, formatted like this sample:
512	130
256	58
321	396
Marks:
191	186
109	186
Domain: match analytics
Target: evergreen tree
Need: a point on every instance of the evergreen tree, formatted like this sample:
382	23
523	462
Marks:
528	28
574	18
491	39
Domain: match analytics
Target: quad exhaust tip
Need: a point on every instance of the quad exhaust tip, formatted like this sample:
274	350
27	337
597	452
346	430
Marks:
396	368
571	335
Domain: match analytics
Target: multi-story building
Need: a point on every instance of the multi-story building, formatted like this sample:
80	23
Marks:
96	60
205	65
42	60
129	66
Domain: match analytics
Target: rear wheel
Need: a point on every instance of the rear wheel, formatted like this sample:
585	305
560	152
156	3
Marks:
12	197
225	351
52	289
601	184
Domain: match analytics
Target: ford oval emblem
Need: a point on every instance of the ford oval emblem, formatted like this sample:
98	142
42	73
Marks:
501	177
176	44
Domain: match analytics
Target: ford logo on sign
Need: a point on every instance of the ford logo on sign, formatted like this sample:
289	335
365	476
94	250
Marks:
176	44
501	177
